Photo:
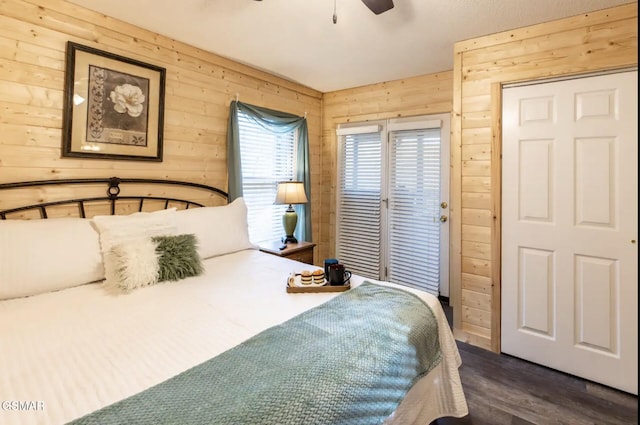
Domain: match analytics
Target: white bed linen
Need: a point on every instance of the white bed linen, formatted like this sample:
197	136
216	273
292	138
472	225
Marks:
81	348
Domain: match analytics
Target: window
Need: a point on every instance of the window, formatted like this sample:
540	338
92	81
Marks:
265	147
267	158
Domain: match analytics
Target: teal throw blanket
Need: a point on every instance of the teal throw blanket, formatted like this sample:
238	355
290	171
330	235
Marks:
348	361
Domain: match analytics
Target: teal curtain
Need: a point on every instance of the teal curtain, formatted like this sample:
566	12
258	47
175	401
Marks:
276	122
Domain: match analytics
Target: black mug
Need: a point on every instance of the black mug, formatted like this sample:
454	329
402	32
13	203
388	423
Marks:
327	263
338	275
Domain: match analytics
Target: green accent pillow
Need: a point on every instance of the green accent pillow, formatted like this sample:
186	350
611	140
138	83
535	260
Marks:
178	257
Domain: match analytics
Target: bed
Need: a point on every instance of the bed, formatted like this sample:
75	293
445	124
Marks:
226	344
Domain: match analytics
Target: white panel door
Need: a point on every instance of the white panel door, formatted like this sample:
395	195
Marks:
569	229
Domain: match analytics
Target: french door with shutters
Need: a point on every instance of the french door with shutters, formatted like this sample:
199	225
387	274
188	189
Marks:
569	227
393	201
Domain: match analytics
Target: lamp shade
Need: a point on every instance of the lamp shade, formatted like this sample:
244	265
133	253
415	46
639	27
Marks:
291	192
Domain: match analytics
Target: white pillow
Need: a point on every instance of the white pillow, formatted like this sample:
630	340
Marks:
116	229
38	256
220	230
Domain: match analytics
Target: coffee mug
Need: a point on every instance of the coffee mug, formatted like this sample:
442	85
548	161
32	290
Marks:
327	263
338	275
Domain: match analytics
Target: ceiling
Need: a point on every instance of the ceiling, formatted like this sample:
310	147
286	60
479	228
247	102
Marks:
297	40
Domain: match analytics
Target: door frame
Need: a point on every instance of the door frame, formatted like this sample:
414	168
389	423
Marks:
496	190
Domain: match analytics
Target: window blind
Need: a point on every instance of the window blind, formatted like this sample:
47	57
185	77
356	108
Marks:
359	198
414	208
267	158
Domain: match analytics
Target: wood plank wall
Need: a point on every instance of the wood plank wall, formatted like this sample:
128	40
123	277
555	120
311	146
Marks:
597	41
199	88
423	95
200	85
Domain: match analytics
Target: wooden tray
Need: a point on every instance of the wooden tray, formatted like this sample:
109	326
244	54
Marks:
324	288
301	289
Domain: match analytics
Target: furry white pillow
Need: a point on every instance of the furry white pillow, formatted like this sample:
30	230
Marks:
147	261
115	230
220	230
136	264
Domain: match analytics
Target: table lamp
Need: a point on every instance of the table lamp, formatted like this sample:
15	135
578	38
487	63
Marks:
290	192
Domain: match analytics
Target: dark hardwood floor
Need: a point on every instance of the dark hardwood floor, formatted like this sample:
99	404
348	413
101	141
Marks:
501	389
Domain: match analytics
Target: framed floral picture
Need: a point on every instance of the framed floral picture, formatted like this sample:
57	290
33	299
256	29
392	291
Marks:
113	106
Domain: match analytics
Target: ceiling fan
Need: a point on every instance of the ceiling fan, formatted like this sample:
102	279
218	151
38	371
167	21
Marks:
376	6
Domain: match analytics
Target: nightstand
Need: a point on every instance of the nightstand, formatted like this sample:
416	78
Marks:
301	251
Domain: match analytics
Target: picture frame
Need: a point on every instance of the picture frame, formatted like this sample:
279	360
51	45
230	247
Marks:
113	106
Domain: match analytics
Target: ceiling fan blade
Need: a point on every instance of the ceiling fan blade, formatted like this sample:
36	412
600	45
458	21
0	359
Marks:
378	6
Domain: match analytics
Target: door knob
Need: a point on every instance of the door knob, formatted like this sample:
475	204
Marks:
444	205
443	218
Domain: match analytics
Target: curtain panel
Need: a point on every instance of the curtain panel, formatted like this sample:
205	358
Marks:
275	122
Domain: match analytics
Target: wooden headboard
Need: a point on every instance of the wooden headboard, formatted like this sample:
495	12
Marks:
111	195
